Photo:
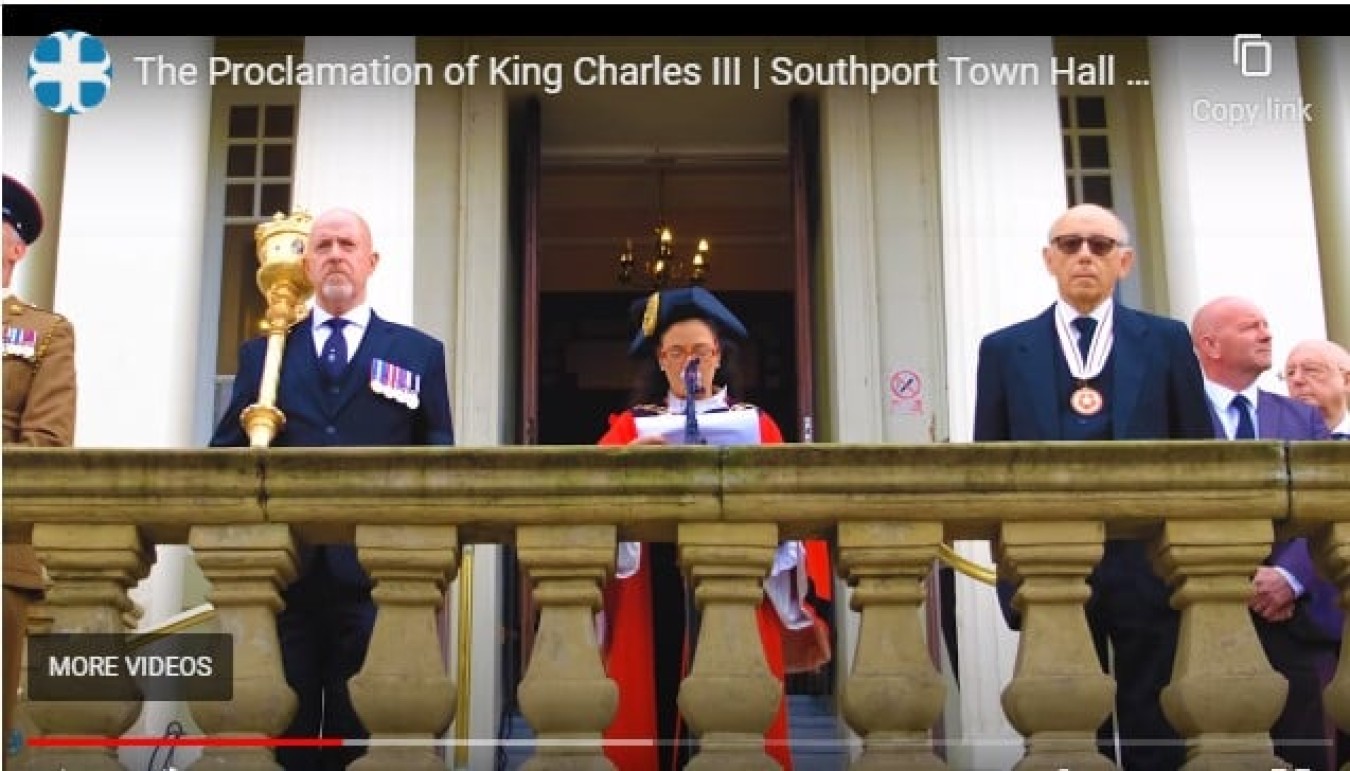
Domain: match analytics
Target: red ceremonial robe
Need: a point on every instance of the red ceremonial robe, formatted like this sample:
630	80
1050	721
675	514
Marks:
630	650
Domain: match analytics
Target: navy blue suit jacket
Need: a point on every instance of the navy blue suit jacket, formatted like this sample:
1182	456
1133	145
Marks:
351	413
1279	417
1157	391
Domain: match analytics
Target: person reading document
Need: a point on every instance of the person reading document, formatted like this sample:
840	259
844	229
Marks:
687	396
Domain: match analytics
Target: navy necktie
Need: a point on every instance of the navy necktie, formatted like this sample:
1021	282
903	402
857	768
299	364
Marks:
1245	428
1085	325
333	361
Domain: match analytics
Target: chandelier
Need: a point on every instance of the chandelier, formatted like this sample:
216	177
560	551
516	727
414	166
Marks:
663	267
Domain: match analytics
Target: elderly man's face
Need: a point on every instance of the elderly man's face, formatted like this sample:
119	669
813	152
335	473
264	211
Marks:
1314	377
339	259
1087	256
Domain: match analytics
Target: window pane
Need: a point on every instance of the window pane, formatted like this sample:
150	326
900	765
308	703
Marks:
239	163
1070	194
276	161
239	200
1065	120
1068	153
243	122
1091	111
280	122
1094	154
1097	189
275	198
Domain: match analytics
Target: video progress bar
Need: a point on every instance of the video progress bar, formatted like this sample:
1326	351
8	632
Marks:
264	741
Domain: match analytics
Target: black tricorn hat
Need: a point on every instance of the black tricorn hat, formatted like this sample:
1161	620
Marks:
22	210
655	313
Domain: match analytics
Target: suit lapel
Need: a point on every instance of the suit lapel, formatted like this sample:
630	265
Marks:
1131	339
1037	350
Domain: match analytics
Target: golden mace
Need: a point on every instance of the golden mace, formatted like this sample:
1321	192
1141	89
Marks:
282	280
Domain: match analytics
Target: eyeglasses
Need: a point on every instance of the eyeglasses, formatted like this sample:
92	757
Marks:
1100	246
1317	372
677	353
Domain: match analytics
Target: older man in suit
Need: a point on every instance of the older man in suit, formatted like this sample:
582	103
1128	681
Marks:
1294	609
1317	372
1089	368
348	378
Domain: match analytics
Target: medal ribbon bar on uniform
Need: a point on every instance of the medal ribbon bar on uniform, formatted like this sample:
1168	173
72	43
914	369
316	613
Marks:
21	342
395	382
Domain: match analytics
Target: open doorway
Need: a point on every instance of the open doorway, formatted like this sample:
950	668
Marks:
577	212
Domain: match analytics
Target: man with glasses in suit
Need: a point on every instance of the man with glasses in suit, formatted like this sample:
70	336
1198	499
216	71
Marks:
1087	369
1317	372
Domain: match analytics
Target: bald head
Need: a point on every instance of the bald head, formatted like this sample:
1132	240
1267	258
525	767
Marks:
1317	372
1088	253
339	258
1232	340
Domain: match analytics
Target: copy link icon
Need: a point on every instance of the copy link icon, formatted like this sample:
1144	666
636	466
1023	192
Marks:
1252	56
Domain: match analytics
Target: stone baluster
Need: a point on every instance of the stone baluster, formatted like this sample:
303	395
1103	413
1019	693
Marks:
247	567
730	696
1059	695
92	567
403	690
565	693
893	693
1330	546
1224	695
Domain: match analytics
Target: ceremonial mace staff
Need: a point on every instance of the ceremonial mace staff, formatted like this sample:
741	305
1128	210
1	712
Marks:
282	280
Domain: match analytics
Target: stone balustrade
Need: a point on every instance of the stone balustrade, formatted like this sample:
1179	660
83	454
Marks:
1209	510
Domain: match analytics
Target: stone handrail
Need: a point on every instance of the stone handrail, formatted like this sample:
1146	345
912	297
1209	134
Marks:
1210	510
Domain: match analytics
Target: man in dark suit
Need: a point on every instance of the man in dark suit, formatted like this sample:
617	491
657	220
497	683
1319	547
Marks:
1294	609
348	378
1088	368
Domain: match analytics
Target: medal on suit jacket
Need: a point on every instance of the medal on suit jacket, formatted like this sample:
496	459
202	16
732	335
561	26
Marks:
1086	400
394	382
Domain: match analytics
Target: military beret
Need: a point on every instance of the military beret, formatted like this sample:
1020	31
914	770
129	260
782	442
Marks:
655	313
22	210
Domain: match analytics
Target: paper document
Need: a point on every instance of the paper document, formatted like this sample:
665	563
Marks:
721	428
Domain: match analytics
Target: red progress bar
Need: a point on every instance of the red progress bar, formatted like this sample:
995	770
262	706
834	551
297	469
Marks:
179	741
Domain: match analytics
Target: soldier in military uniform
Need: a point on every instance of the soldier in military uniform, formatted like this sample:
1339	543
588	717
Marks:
39	382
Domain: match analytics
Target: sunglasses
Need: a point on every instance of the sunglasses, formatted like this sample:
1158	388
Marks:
1100	246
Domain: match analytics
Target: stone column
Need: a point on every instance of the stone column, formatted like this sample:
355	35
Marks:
344	158
1059	695
1222	705
248	566
565	693
402	690
1001	184
1331	549
1235	191
92	567
1324	69
893	694
730	696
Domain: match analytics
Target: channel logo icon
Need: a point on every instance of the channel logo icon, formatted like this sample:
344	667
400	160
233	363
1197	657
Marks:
70	72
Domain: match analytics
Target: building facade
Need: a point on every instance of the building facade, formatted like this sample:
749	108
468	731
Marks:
874	207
